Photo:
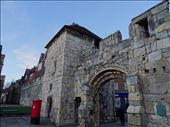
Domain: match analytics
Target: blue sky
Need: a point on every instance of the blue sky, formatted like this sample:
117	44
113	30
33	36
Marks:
27	26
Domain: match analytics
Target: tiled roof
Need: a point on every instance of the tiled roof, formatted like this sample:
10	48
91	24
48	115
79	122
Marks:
77	28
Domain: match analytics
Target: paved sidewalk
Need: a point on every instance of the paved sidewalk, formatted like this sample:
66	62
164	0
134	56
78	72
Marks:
23	122
117	124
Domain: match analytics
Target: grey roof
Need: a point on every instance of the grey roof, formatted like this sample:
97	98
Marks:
74	27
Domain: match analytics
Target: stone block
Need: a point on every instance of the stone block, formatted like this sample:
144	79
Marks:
125	50
166	52
159	87
162	62
135	119
162	14
131	89
159	8
162	35
131	70
149	106
151	47
167	18
164	43
161	78
157	97
162	27
153	56
138	44
135	102
134	61
159	120
135	96
107	49
134	88
132	80
135	109
139	51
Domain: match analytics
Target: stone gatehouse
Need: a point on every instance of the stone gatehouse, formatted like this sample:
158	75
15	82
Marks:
83	72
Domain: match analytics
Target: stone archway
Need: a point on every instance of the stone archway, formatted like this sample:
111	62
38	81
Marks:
103	97
136	109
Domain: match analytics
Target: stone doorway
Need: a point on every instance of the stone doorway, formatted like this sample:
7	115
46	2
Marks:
77	103
110	97
49	106
106	103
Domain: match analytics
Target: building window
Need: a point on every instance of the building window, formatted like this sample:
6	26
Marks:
144	30
164	69
146	71
51	87
54	66
154	70
96	45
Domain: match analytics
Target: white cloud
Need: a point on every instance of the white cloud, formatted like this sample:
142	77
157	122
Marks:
26	56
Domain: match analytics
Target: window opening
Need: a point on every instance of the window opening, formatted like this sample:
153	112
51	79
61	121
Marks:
164	68
144	27
154	70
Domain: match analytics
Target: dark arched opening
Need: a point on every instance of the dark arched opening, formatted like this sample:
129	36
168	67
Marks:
110	95
49	106
77	102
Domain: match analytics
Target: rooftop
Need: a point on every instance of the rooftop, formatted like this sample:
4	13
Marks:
77	28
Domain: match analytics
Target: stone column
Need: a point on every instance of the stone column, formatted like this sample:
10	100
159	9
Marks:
136	112
84	112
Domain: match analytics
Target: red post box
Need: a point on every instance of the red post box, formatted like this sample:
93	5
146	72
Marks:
36	109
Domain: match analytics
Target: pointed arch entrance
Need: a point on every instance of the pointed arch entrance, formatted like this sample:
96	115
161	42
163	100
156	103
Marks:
109	95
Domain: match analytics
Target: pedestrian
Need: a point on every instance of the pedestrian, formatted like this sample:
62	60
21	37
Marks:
122	117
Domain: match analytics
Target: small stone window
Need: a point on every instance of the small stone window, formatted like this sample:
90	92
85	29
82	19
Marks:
164	68
144	30
154	70
50	87
91	112
113	56
143	57
96	44
55	64
146	71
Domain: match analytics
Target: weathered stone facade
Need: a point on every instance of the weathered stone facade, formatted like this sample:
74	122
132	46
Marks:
31	83
79	63
30	91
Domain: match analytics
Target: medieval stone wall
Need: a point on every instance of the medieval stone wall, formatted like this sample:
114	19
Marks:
75	45
61	63
146	56
112	53
75	67
149	72
30	91
53	76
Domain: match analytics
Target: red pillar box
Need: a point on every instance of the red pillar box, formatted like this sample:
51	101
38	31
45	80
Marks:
36	109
